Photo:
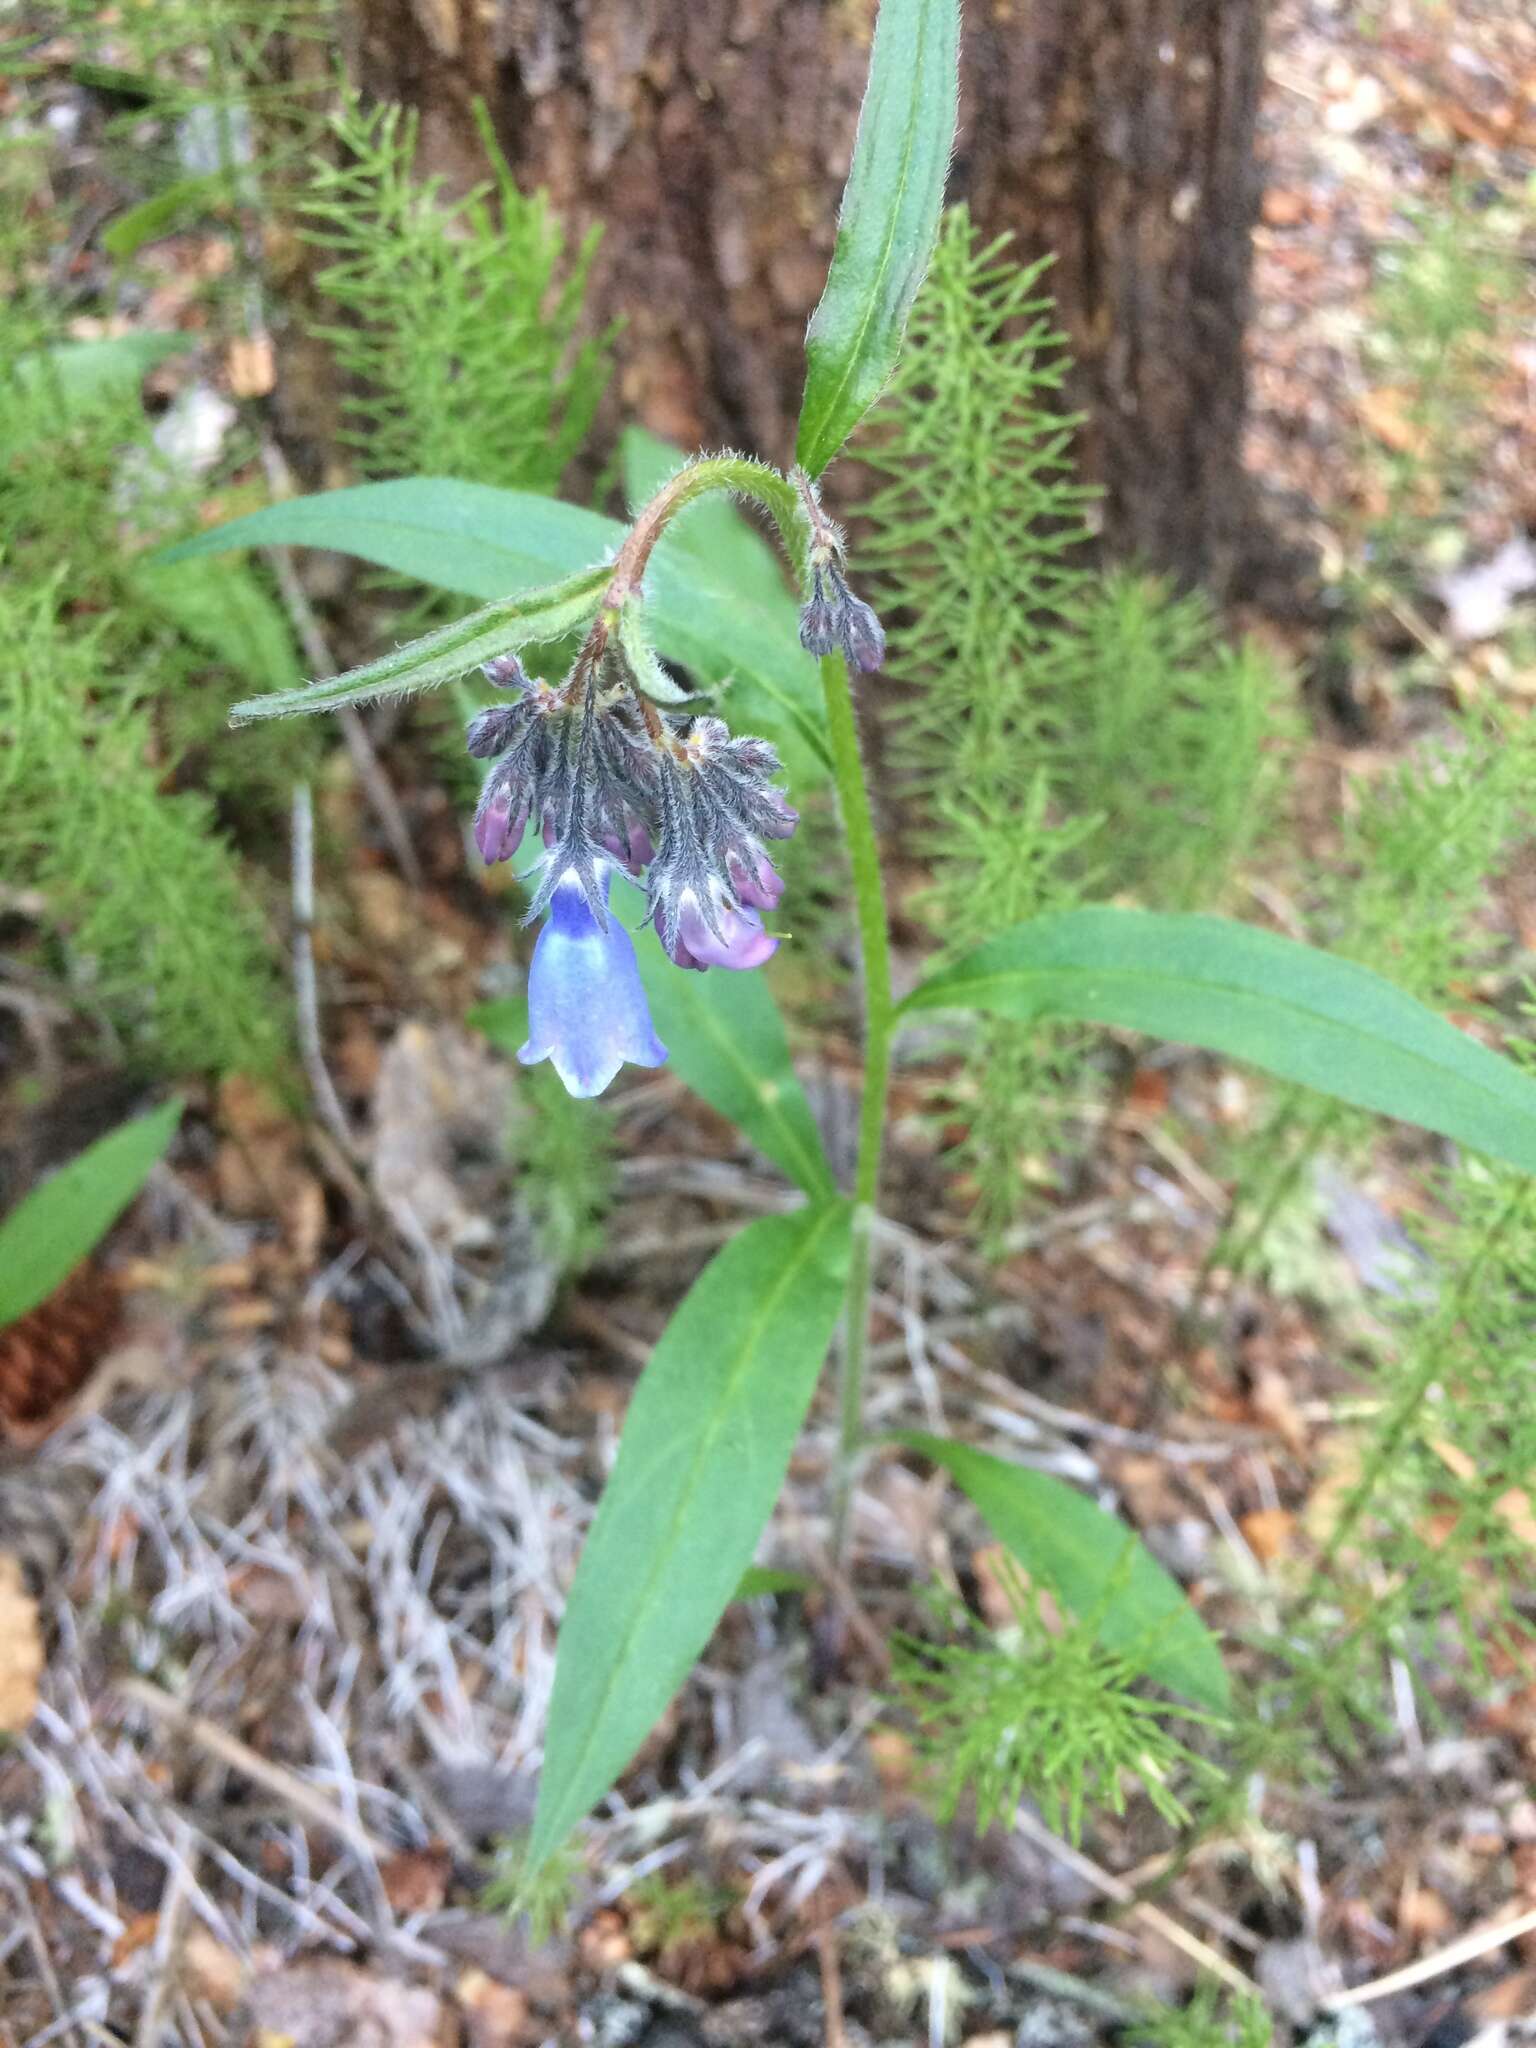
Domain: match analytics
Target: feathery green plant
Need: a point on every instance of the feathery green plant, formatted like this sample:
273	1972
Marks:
1447	289
1061	734
1405	893
564	1155
1430	1542
1034	1710
456	328
159	931
112	691
457	320
1212	2019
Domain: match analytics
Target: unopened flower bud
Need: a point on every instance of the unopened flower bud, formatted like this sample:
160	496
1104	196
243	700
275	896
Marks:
505	672
727	938
755	879
499	829
490	731
863	637
834	621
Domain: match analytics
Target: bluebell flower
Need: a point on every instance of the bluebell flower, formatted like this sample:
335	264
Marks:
587	1012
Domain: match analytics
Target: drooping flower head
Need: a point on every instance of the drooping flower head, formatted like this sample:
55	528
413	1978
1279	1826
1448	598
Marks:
677	801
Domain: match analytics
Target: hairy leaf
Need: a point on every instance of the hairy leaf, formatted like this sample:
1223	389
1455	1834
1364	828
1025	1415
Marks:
440	657
888	222
705	1447
727	1041
1093	1563
1296	1012
51	1230
492	543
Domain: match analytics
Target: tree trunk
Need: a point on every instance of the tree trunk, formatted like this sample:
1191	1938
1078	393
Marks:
711	137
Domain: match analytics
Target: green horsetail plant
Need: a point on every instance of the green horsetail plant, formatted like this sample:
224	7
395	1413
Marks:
453	321
633	792
1061	735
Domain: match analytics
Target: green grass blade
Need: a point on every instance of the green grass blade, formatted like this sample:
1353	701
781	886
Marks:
52	1229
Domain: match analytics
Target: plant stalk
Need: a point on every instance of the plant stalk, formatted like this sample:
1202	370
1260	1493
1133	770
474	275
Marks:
879	1029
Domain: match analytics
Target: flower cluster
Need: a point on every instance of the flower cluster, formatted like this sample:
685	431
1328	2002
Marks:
610	781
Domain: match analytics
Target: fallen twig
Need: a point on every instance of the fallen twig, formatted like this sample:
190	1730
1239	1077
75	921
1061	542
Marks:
831	1987
305	988
1480	1942
1154	1917
284	1785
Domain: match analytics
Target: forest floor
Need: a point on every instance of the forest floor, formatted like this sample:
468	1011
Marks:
322	1435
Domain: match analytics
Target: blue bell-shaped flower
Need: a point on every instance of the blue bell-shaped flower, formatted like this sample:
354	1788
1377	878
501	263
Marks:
587	1012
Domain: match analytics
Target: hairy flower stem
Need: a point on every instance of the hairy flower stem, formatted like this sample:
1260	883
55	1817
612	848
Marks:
879	1028
738	474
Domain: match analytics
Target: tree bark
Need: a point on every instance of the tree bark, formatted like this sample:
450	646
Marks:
711	138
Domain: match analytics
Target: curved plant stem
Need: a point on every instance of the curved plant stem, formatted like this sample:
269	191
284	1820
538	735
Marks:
879	1025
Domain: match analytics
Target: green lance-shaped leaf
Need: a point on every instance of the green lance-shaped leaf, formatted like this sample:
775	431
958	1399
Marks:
83	372
539	617
727	1041
1296	1012
50	1231
490	543
706	1444
888	222
1093	1563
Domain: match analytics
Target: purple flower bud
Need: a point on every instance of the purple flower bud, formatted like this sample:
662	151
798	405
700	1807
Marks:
755	879
778	817
587	1012
632	849
490	731
818	624
505	672
863	636
499	829
740	941
834	621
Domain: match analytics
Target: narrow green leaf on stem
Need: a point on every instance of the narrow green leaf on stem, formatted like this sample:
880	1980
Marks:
490	543
650	678
888	221
705	1447
51	1230
87	372
1234	989
727	1041
441	657
1093	1563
